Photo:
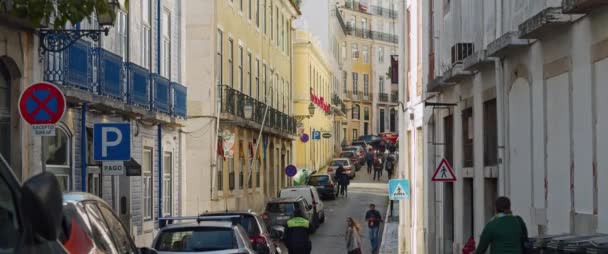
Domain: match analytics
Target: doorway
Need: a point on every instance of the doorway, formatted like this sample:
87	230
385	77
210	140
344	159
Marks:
469	208
393	122
448	217
382	120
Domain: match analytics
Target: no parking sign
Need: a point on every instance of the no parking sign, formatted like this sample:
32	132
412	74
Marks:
42	105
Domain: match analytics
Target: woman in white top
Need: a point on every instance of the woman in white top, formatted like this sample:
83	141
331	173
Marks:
353	237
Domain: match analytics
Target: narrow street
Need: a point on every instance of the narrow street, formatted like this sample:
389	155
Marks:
362	191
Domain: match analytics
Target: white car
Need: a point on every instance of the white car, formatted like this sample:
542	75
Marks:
311	195
210	237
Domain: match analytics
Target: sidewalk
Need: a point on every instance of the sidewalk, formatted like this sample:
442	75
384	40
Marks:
390	235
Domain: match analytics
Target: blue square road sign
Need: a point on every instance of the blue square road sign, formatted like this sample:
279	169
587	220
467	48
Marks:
112	141
399	189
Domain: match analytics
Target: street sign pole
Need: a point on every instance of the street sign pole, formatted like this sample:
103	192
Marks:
43	153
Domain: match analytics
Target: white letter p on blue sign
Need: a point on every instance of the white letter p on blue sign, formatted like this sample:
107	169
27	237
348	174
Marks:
112	141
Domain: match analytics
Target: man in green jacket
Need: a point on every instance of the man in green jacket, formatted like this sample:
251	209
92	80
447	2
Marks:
505	233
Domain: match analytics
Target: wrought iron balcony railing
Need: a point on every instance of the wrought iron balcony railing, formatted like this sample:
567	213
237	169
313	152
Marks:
104	74
369	34
233	102
383	97
394	97
370	9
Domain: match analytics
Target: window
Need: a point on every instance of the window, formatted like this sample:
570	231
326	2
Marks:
249	10
147	176
356	112
166	45
491	136
355	83
241	173
448	132
199	238
264	10
9	221
446	6
257	173
355	134
271	22
231	62
240	77
58	157
283	33
381	85
277	28
119	234
365	84
381	54
146	38
343	52
121	33
366	114
257	78
241	5
220	171
355	51
264	81
467	136
365	54
219	59
231	174
257	13
249	67
344	80
167	183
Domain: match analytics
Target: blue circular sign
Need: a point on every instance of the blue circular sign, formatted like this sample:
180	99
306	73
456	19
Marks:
304	137
291	170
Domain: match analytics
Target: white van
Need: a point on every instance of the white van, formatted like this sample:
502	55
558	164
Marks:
312	197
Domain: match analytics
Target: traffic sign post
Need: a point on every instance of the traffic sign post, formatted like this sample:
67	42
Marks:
399	189
444	172
112	141
291	170
42	105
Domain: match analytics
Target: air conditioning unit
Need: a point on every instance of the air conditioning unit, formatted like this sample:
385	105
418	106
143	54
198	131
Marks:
460	51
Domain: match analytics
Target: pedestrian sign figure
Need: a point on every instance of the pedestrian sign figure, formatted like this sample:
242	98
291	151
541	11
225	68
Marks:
444	172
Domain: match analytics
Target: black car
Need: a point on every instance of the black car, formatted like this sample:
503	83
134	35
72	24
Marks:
22	228
254	226
325	185
279	210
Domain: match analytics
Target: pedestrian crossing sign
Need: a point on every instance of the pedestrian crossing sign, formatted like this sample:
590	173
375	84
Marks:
444	172
399	189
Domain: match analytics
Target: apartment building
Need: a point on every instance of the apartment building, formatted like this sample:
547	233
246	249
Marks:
521	82
369	44
239	61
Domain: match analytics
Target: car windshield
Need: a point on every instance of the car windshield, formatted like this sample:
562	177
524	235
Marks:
347	154
318	180
338	163
248	222
287	208
196	239
294	193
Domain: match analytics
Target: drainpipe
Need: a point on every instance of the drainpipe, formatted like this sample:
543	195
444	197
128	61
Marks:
160	171
83	147
499	82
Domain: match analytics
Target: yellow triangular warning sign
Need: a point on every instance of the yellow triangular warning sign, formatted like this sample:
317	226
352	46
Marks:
444	172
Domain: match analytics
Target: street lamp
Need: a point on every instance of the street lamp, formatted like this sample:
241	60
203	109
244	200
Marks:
52	40
248	110
311	112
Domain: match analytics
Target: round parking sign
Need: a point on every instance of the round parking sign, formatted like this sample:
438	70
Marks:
304	137
291	170
42	103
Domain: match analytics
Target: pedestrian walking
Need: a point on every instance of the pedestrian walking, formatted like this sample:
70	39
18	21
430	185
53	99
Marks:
369	158
339	178
344	181
353	236
296	235
505	233
377	168
373	218
390	165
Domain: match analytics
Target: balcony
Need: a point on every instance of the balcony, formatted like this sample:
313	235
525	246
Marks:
369	34
372	10
101	78
581	6
383	97
545	22
395	97
233	111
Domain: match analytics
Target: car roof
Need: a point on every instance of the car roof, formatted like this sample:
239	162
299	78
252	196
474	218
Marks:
341	159
201	224
286	199
75	197
228	213
297	187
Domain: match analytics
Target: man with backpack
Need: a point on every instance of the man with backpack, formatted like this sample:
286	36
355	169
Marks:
369	158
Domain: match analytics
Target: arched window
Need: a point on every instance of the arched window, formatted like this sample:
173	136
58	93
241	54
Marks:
58	156
5	113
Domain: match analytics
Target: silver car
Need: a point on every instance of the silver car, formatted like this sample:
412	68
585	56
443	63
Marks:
211	237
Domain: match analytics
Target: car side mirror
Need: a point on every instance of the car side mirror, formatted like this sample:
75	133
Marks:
277	232
43	193
146	250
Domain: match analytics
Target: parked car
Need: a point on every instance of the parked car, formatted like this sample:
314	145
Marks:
360	151
90	226
217	237
312	197
361	144
355	159
346	163
255	227
279	210
23	226
325	185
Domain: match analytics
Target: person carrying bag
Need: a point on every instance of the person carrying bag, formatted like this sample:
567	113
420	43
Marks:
353	237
